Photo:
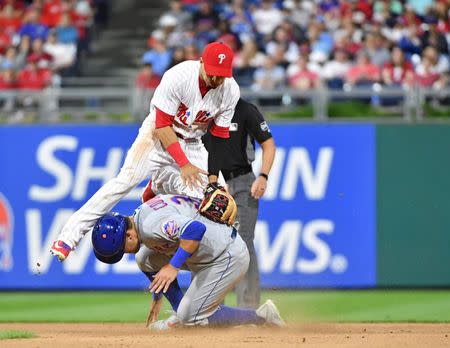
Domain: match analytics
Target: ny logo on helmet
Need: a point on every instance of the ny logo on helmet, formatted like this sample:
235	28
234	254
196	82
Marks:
221	57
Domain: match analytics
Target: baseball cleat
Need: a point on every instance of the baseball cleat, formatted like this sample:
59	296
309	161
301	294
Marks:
164	325
60	249
270	313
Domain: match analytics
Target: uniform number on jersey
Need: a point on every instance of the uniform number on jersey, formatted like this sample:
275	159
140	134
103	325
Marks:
181	199
156	203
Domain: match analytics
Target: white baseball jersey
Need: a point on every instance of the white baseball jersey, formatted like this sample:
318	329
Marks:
178	94
219	263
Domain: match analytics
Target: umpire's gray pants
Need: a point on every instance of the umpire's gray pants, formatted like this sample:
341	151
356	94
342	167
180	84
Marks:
248	289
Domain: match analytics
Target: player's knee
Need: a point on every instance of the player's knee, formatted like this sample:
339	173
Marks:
185	314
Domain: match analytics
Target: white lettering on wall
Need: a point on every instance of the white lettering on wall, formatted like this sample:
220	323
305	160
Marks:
62	173
87	171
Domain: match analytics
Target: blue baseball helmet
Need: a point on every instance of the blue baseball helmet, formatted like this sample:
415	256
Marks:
108	237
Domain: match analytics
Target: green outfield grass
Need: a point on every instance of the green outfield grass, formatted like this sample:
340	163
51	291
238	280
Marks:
295	306
11	334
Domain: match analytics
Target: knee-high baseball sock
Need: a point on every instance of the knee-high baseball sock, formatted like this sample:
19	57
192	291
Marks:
173	294
234	316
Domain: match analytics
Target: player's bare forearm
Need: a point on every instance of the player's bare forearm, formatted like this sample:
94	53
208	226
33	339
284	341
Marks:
268	155
168	273
190	246
166	135
259	186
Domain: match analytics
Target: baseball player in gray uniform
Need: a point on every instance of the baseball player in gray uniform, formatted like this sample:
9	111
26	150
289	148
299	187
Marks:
168	234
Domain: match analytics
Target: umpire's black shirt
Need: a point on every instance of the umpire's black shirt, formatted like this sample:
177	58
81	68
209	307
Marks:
247	125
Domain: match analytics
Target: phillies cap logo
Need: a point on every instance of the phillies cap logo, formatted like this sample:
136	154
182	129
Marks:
6	235
221	57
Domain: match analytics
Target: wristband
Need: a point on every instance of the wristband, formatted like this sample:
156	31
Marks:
179	258
264	176
177	154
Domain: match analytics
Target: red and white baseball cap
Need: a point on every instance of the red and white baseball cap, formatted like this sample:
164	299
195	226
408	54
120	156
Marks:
218	59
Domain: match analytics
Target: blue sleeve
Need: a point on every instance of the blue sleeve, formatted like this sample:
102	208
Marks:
194	230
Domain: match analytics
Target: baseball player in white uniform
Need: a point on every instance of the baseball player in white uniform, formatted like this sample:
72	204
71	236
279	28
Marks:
168	147
168	233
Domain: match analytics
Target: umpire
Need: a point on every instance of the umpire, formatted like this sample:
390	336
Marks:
247	125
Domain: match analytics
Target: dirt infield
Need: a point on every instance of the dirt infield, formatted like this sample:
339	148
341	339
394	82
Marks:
295	335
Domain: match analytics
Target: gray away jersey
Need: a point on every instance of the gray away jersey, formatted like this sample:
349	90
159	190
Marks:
162	220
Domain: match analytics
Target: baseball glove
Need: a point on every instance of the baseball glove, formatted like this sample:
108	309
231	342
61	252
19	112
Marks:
218	205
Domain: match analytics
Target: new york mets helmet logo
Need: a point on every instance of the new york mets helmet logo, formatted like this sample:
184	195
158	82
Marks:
171	229
6	234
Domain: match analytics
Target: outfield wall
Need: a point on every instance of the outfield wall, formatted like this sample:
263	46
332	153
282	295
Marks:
352	205
413	205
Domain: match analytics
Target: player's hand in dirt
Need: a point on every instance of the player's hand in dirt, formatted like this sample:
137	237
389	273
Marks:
155	308
190	175
163	279
259	187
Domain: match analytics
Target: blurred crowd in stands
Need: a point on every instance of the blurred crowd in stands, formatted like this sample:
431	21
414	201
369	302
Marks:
304	44
44	40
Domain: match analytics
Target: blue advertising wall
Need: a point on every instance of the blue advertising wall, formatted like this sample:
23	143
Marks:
316	225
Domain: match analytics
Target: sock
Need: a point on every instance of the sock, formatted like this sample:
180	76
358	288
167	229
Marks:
235	316
173	294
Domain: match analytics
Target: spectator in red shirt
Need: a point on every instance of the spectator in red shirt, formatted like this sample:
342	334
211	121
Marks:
9	21
33	77
428	73
360	10
7	79
5	41
51	12
44	59
302	77
17	5
398	71
146	79
364	72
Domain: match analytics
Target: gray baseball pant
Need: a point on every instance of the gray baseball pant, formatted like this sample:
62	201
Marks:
248	289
